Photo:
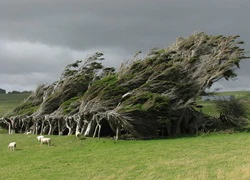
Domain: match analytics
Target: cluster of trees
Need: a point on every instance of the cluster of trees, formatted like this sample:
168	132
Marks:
19	92
3	91
149	97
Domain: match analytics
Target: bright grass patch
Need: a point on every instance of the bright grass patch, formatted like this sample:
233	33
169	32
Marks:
217	156
9	101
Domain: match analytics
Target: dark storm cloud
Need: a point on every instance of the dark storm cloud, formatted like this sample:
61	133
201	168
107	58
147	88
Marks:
50	33
127	24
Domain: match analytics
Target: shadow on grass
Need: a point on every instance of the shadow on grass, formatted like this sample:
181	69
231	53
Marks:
17	149
82	138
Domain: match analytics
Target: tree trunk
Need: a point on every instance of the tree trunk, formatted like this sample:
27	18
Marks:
98	126
60	132
50	128
42	128
118	132
90	129
45	129
33	129
177	126
69	128
9	127
36	129
99	130
84	127
95	130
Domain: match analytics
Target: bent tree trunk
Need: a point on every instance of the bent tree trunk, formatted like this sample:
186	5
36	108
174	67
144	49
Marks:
68	126
179	121
42	128
84	127
50	128
98	127
118	132
60	128
90	129
9	127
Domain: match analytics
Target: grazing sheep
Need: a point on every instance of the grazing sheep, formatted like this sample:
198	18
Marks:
46	141
12	146
39	138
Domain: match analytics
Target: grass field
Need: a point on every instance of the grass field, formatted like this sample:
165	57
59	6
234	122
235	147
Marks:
9	101
207	156
218	156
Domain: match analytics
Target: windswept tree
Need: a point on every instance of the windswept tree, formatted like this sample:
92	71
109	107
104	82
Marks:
160	89
233	113
145	97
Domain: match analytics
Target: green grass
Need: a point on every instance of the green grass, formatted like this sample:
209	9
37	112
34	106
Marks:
9	101
218	156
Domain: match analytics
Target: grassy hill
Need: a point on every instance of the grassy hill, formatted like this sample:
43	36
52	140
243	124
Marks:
217	156
9	101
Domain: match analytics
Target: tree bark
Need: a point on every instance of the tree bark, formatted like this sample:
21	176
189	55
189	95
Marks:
42	128
178	123
118	132
84	127
90	129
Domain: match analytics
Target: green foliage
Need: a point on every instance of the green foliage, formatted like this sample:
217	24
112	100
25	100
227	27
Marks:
108	80
133	107
112	88
235	108
69	72
229	74
107	86
2	91
26	108
70	105
152	104
194	59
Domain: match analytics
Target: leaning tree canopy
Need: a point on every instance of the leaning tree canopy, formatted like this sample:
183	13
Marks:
145	92
165	81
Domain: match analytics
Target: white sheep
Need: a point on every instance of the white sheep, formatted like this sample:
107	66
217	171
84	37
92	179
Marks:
39	138
12	146
46	141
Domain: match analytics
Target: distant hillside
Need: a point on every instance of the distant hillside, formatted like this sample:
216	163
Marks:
9	101
237	94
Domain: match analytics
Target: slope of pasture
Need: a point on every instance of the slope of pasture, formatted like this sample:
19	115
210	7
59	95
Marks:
9	101
216	156
237	94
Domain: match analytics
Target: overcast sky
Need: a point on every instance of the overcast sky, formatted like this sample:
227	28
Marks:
38	38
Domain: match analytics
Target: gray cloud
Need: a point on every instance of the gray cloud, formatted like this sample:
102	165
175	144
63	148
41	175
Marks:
43	36
26	64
